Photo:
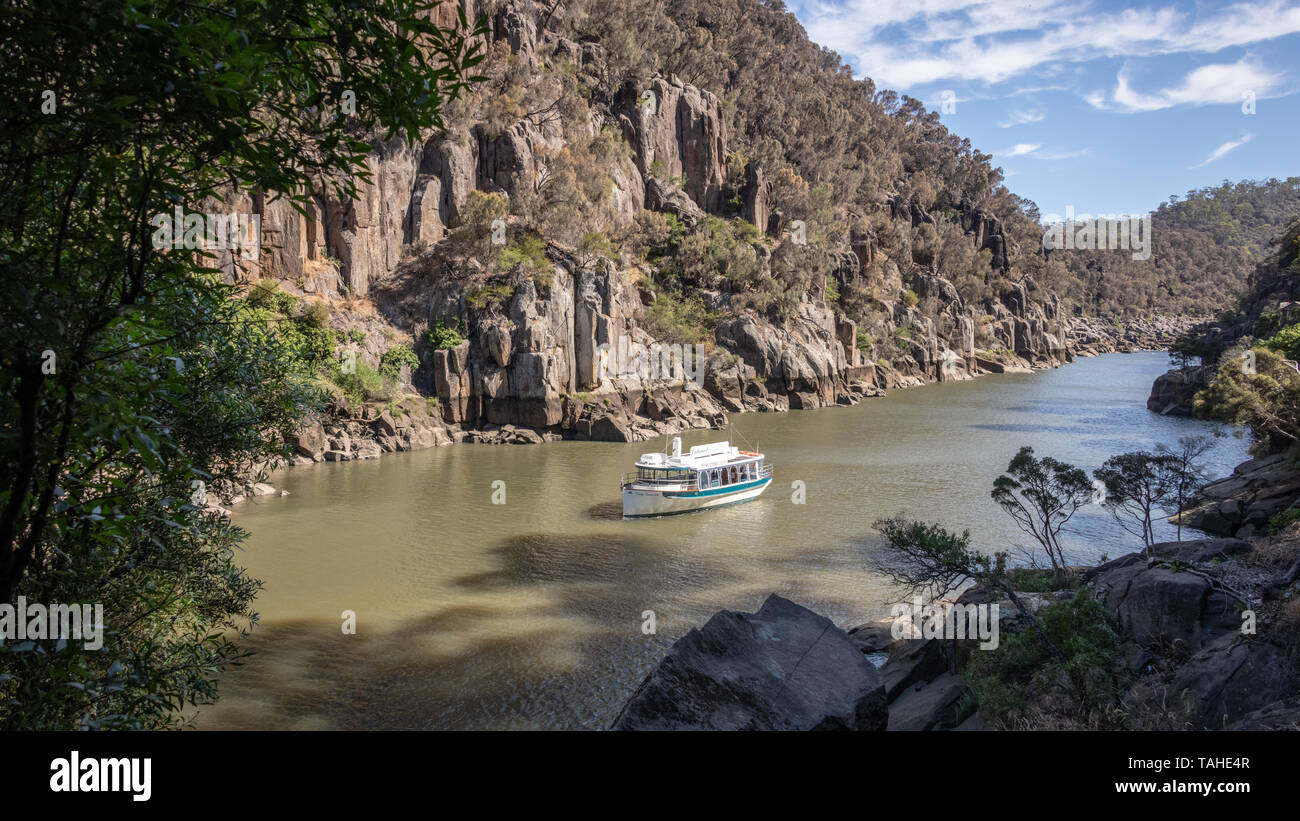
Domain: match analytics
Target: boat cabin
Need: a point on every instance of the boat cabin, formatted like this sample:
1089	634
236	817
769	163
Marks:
703	467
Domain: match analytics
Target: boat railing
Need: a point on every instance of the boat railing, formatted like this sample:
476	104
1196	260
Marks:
634	479
764	472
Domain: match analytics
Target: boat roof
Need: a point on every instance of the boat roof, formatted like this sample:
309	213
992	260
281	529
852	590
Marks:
700	456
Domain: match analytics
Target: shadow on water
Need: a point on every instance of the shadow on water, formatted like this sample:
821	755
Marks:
1026	428
606	511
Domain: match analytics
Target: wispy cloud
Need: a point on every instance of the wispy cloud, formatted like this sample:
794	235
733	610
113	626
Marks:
1225	149
1032	151
1022	118
901	45
1218	83
1020	150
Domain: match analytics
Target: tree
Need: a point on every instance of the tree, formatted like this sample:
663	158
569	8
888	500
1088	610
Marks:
927	558
1186	472
1041	495
1184	349
132	383
1138	484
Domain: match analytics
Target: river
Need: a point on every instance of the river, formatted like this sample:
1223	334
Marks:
528	614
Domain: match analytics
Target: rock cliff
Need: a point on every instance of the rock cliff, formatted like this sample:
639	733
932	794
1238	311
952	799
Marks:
545	355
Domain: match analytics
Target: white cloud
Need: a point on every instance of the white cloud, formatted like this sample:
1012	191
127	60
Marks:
1022	118
1032	151
1226	148
1216	83
900	45
1020	150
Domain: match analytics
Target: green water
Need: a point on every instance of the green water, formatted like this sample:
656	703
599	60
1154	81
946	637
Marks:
528	614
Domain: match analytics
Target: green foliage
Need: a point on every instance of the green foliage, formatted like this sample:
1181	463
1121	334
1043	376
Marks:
1038	580
1286	341
527	255
472	236
673	318
442	336
390	364
489	295
363	384
1257	389
1083	687
267	294
1041	495
1138	484
910	299
716	250
1283	520
1141	484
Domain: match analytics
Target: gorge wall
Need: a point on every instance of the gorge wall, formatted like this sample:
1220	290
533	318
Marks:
538	357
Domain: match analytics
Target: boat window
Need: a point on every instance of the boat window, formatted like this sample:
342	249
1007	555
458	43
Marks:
735	476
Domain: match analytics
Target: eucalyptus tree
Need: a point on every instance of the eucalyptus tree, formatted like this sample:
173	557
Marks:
1138	486
1042	495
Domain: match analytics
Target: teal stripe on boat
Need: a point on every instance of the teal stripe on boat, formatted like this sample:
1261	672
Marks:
715	491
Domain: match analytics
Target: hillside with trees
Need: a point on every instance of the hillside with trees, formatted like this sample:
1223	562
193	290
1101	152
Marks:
1204	246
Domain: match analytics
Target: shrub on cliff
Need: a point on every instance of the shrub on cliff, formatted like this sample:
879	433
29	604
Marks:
442	336
674	318
1021	686
391	363
1258	389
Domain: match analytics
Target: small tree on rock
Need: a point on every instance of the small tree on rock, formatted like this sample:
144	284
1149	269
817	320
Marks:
1041	495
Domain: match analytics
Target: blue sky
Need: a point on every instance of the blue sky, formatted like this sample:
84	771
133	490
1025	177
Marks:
1102	106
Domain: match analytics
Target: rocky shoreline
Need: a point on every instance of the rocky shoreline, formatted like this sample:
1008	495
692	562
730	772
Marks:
352	432
347	432
655	409
1188	659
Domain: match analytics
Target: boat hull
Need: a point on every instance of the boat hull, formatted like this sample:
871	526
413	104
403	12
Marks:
645	502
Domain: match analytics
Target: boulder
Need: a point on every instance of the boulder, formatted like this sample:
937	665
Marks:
1232	678
1280	715
310	441
1161	607
932	706
782	668
911	662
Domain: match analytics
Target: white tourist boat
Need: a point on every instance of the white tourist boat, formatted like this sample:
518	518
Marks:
708	476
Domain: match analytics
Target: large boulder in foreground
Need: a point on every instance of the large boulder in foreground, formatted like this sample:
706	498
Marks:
782	668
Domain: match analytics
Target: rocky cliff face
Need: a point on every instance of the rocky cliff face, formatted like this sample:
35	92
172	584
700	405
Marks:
540	360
